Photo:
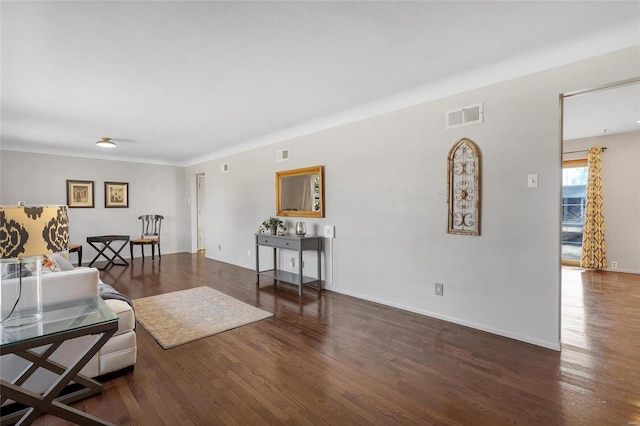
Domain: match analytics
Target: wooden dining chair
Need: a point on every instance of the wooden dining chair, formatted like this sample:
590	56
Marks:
150	234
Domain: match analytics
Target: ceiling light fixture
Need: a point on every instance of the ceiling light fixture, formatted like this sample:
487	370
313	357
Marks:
106	143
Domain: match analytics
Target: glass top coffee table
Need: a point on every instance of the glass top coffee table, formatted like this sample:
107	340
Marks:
59	323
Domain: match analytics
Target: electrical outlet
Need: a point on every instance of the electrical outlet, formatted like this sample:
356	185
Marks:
249	252
292	262
614	265
219	247
439	289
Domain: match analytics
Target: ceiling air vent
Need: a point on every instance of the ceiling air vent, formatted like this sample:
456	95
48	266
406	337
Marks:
465	116
282	155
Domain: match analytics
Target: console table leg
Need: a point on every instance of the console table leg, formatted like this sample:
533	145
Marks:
275	266
300	272
319	271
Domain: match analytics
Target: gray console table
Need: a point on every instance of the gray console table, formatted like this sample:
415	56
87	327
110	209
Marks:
296	243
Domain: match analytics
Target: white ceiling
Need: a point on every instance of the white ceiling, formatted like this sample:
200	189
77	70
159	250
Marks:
182	82
602	112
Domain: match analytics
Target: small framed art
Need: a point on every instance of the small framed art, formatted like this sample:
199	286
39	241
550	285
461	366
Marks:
80	194
116	194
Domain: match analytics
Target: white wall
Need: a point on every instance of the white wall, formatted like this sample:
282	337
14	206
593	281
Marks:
153	189
621	194
385	189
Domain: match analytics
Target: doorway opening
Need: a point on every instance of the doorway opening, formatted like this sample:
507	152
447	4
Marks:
601	116
200	206
197	212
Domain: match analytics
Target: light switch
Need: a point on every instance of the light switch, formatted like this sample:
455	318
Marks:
329	231
532	180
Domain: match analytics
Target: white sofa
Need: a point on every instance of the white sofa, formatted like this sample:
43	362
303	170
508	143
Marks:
118	353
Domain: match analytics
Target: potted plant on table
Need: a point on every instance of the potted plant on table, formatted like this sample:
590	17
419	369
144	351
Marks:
273	224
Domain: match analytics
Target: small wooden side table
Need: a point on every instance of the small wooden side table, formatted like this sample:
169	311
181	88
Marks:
76	248
106	241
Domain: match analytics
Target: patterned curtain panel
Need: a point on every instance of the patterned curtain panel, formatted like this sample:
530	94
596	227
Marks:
593	245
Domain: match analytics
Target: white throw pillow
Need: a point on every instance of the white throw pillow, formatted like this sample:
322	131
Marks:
62	261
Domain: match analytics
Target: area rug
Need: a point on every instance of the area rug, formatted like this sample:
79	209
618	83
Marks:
183	316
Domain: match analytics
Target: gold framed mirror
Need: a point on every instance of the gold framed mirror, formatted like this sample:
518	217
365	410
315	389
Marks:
300	192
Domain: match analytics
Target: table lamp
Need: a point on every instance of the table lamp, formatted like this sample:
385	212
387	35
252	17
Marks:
27	233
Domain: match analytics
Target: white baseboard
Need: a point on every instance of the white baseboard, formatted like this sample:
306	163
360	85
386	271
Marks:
625	271
500	332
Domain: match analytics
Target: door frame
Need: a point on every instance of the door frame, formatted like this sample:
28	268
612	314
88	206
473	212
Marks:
562	97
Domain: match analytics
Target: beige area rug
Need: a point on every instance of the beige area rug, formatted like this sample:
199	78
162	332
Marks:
184	316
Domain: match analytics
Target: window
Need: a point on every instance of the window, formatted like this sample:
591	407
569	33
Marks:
574	194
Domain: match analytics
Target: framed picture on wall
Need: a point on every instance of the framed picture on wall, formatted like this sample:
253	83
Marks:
116	194
80	194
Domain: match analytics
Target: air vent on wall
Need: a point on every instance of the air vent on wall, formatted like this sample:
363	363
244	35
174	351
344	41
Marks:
282	155
464	116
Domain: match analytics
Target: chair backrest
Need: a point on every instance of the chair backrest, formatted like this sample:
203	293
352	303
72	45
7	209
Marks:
151	225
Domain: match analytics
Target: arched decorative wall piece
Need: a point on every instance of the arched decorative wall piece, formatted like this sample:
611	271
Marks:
463	188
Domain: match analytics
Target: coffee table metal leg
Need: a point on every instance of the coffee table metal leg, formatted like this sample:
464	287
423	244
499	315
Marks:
48	402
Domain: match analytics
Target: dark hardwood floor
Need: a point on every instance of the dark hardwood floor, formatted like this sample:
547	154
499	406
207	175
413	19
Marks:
338	360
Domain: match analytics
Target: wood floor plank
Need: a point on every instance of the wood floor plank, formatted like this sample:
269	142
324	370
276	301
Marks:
332	359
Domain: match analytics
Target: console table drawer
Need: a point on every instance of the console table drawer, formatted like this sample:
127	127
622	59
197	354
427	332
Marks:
274	241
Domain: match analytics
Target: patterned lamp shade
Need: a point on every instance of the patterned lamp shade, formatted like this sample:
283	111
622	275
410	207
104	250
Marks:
31	231
25	234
